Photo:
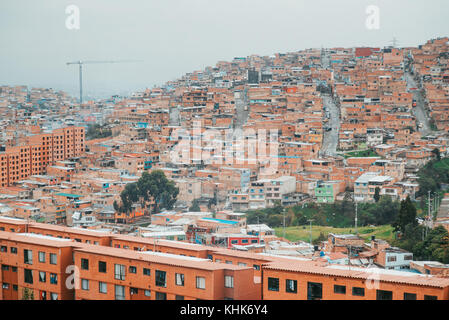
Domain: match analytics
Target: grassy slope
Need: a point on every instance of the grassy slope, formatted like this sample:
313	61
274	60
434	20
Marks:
300	233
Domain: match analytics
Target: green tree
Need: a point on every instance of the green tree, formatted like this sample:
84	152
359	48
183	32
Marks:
436	152
406	216
150	186
376	194
195	207
320	239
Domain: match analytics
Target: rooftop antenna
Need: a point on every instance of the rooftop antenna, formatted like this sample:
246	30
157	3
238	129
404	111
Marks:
80	63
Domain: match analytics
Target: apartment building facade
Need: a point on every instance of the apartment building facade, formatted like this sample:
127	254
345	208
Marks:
39	151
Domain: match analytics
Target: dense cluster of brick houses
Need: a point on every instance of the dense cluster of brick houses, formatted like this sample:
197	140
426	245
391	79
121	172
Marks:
246	134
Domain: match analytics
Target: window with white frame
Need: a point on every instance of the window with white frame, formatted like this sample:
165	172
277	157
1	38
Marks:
229	281
119	292
179	279
41	257
119	272
201	282
53	258
102	287
84	284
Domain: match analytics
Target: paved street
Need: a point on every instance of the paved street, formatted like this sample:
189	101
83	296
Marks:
419	111
240	104
330	139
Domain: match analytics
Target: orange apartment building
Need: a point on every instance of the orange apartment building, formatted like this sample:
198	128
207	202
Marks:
40	150
306	280
120	274
38	264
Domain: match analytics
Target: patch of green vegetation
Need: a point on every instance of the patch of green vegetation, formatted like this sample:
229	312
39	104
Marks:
432	175
302	233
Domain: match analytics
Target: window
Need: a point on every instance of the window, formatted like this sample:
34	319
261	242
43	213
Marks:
242	264
391	258
5	267
229	281
179	279
3	249
53	278
119	272
426	297
14	269
161	296
273	284
146	271
161	280
339	289
28	276
5	286
314	291
102	266
102	287
291	286
409	257
42	276
356	291
41	256
13	250
84	284
133	291
84	264
28	256
147	293
119	292
409	296
179	297
132	269
384	295
228	262
201	282
256	267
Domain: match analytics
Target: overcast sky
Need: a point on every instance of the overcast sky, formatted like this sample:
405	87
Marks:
173	37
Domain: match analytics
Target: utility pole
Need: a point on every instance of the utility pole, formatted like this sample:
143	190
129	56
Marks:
310	220
284	224
427	224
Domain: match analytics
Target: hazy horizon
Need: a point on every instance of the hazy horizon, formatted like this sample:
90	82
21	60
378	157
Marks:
174	37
